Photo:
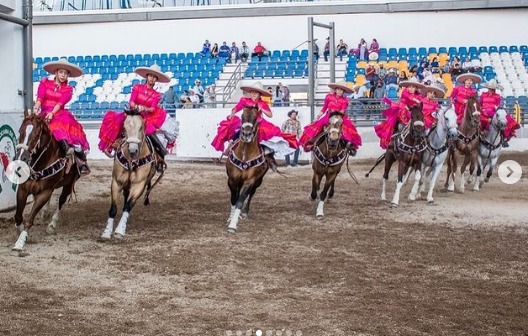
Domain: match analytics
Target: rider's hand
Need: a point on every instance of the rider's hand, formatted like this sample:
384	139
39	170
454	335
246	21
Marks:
48	117
35	110
464	101
229	117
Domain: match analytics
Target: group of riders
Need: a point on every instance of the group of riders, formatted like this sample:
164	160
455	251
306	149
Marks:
54	94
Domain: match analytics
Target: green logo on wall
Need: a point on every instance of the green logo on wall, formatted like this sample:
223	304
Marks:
8	140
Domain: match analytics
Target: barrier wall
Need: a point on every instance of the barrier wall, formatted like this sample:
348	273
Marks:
9	125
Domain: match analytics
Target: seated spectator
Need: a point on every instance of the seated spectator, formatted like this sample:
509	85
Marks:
435	65
244	52
326	52
379	90
315	49
224	50
206	48
467	66
370	73
372	88
210	96
194	99
477	66
381	71
391	80
446	68
259	51
185	100
402	77
342	49
454	61
199	90
235	53
214	50
374	46
363	91
456	70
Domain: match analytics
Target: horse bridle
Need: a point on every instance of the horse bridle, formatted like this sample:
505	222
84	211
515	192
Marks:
33	150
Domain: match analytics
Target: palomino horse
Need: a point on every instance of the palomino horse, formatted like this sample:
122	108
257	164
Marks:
329	153
433	158
49	170
490	147
407	148
246	167
466	143
134	168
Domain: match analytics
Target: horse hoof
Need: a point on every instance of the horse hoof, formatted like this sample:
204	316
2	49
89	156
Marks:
319	217
17	249
231	230
51	230
486	179
431	202
118	235
244	215
394	205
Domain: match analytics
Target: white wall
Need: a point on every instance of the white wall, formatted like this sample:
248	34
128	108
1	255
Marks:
446	28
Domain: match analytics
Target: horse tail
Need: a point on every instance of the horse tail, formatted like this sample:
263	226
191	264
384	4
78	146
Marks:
378	161
352	175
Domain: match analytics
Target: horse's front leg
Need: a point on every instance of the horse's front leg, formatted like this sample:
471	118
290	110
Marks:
115	190
244	192
316	182
135	192
65	193
389	160
331	175
402	170
434	176
462	186
40	200
472	164
245	210
451	169
418	178
491	168
21	198
235	192
480	167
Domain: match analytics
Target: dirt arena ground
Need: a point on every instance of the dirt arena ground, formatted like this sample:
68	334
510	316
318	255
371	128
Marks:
459	267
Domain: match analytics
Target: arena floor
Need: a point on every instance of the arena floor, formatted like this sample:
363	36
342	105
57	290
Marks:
459	267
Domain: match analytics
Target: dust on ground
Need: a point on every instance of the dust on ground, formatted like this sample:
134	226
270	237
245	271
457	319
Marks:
458	267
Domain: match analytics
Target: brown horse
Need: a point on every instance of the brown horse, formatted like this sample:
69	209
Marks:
466	144
49	170
330	152
246	167
407	148
134	168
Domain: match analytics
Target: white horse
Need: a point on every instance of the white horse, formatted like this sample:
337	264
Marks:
436	153
490	147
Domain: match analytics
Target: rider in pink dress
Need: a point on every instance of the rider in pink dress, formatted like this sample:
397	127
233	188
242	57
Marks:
430	105
460	94
399	112
490	101
269	135
146	100
52	96
334	102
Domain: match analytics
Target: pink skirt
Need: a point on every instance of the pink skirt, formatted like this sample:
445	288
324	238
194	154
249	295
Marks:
349	132
64	126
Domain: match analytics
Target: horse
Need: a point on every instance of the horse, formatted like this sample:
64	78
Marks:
133	170
466	143
490	147
407	148
49	170
329	154
437	144
246	166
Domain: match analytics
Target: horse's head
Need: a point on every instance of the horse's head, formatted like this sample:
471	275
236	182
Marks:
499	120
135	132
449	122
472	113
248	127
333	129
417	123
34	137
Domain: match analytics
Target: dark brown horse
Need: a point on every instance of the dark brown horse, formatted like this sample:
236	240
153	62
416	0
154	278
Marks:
49	170
466	144
246	167
133	171
330	152
407	148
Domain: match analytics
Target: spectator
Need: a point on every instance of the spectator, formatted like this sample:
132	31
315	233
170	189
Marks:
391	81
235	53
214	51
199	90
455	61
435	65
456	70
259	51
169	99
446	68
372	87
370	73
374	46
292	126
326	49
315	48
185	100
224	51
363	91
381	72
206	48
210	95
379	90
342	49
361	51
467	66
402	77
267	99
244	52
194	99
476	65
285	94
277	96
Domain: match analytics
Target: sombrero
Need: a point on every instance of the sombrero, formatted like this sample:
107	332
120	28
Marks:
155	70
53	66
373	56
493	85
412	82
257	86
462	78
341	85
439	93
291	112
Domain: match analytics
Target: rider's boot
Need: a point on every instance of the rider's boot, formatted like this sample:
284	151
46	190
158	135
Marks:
505	144
65	148
270	158
83	164
160	149
352	150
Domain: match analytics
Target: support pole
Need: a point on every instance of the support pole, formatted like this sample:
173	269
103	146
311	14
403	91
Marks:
27	10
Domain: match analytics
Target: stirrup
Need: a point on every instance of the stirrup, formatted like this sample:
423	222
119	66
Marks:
84	170
505	144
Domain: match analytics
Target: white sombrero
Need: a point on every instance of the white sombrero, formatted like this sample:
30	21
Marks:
462	78
53	66
439	93
154	70
493	85
412	82
257	86
341	85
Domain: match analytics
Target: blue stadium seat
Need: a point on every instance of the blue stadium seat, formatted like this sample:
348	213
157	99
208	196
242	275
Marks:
452	51
413	52
473	50
432	50
402	53
493	49
523	49
276	53
295	54
304	53
514	49
483	49
442	50
462	50
393	52
503	49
